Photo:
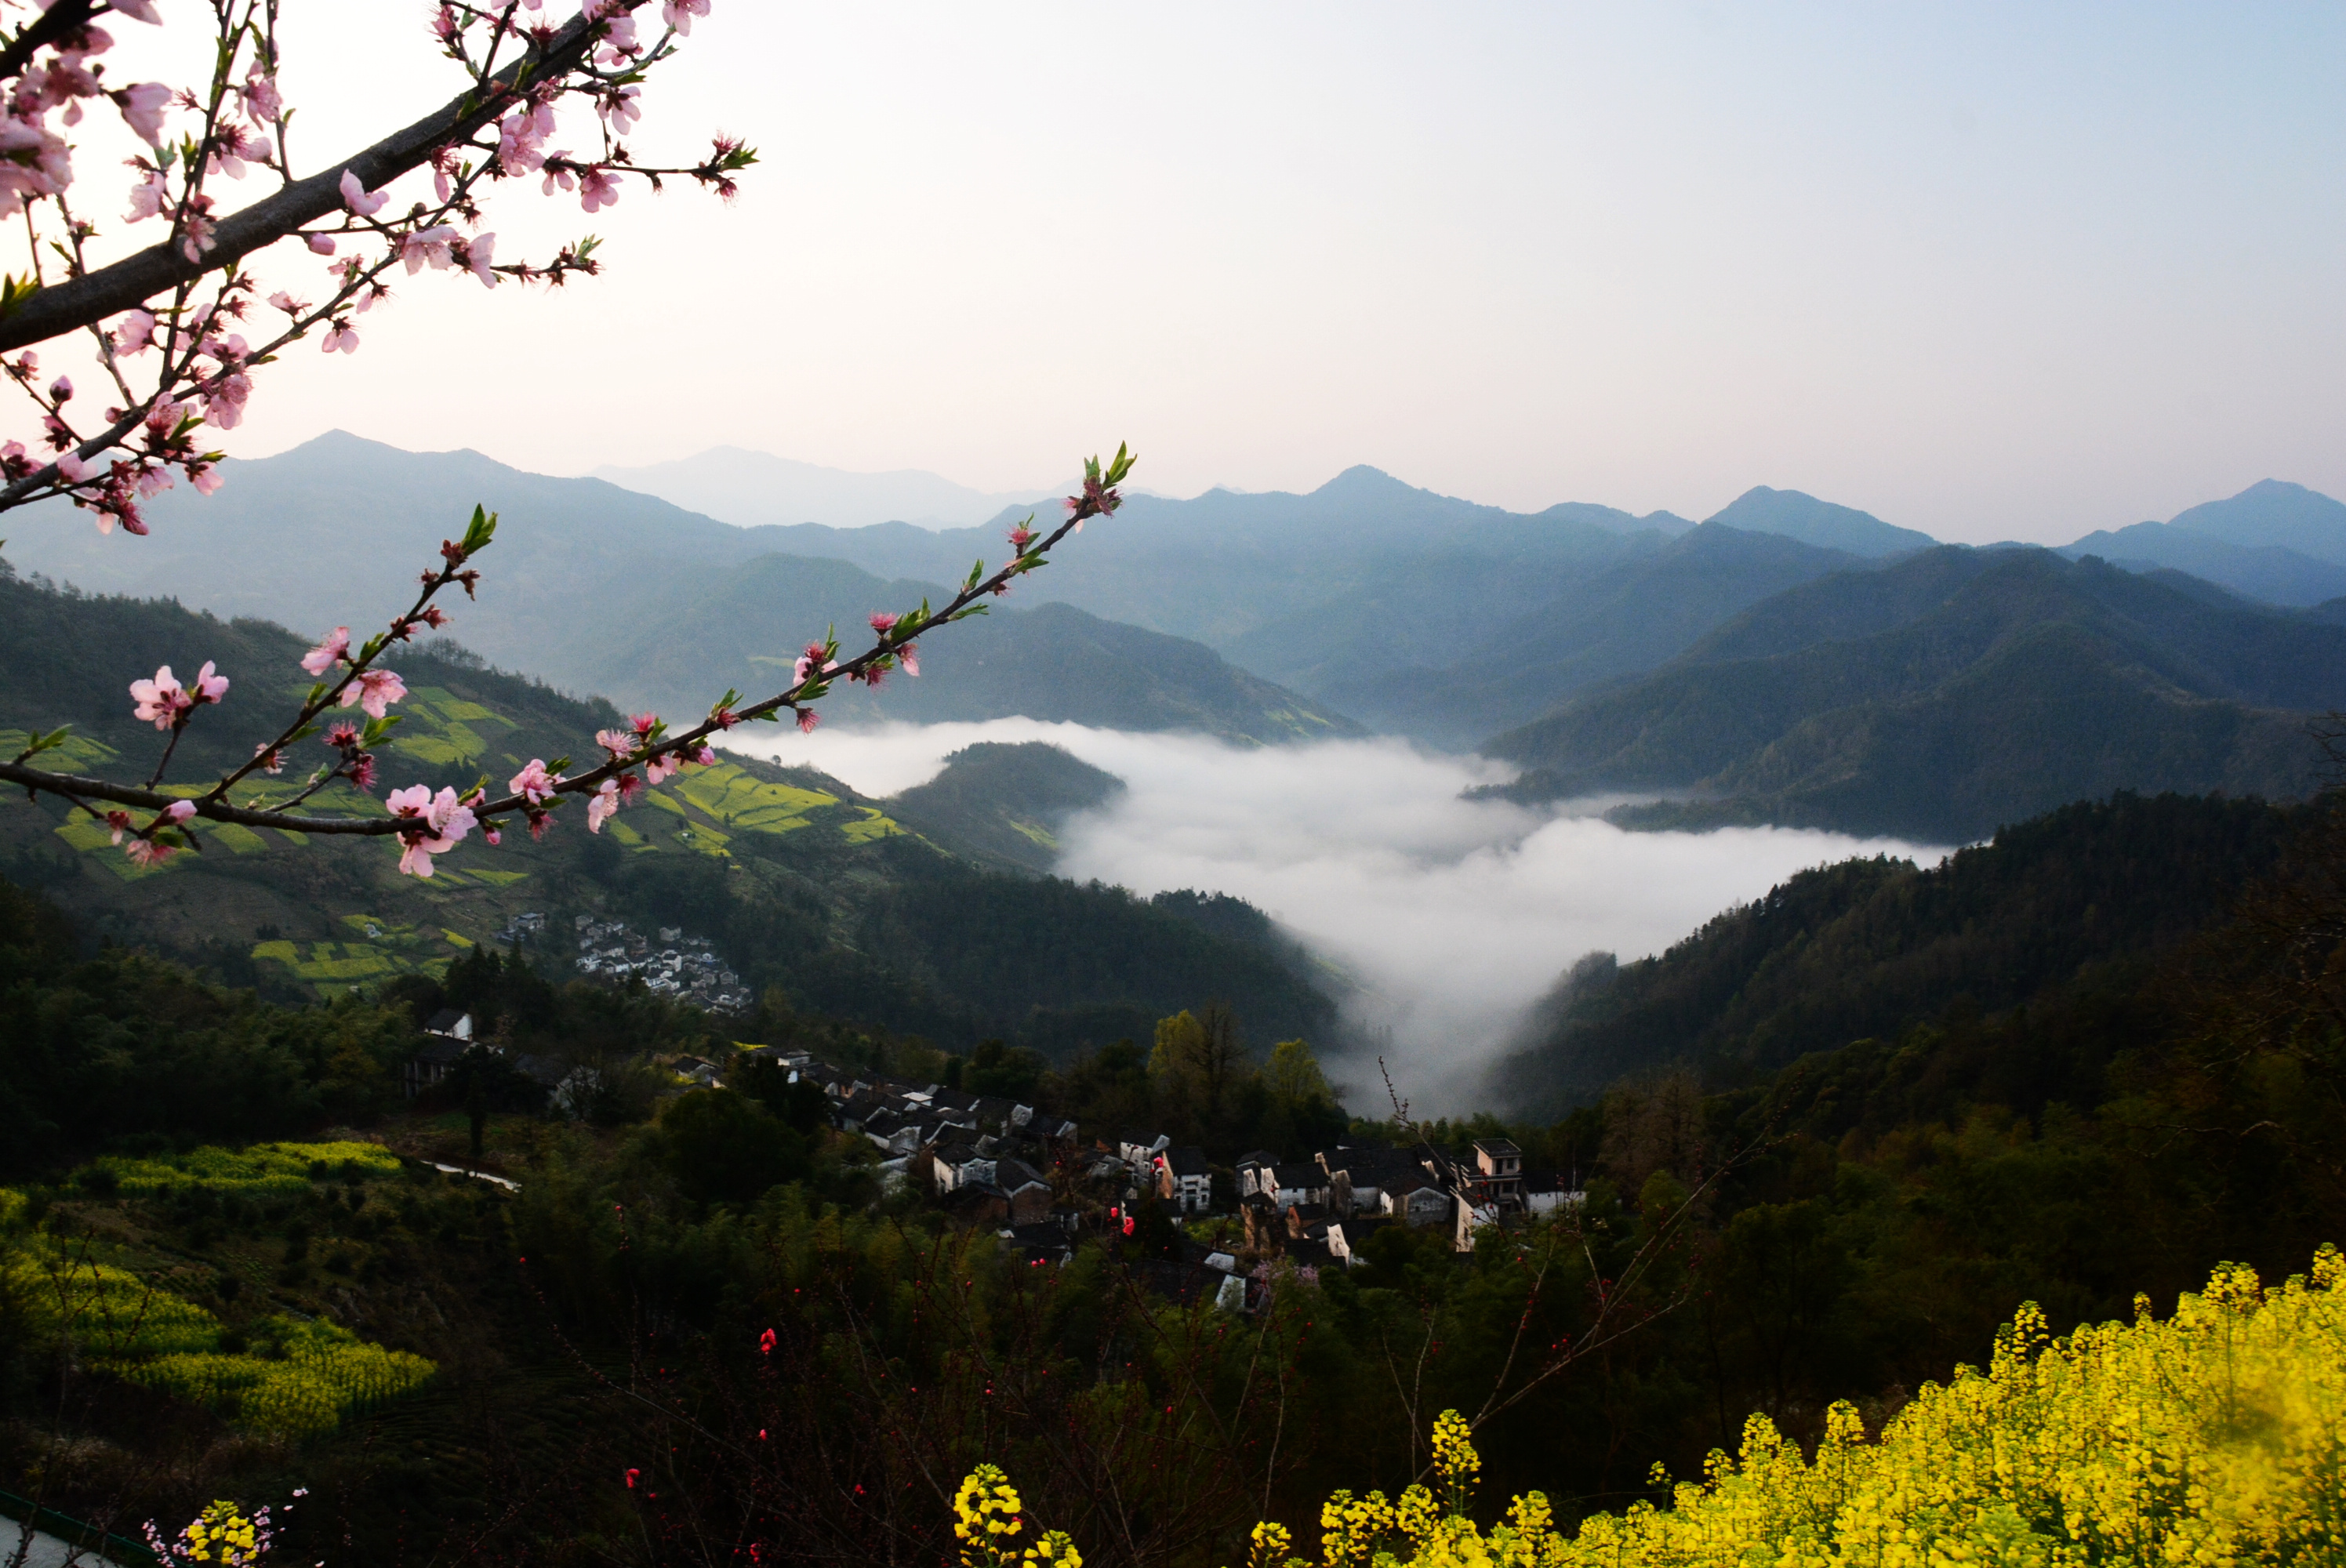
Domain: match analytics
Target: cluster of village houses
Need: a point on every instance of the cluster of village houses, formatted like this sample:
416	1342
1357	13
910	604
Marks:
1038	1181
990	1160
671	964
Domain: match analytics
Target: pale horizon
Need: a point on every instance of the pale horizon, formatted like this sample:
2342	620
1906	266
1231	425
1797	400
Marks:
1999	273
1305	488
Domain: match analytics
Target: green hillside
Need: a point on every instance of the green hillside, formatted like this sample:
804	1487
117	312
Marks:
1588	626
1866	948
745	627
1948	692
1006	803
602	590
802	883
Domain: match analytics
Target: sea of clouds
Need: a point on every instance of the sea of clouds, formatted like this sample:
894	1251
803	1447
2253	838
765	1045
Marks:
1451	918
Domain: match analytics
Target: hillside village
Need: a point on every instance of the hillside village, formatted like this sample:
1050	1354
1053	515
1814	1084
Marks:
1044	1184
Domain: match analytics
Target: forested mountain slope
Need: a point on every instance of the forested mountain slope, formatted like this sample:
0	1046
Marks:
601	590
1593	626
1867	948
1948	693
801	881
1006	803
745	627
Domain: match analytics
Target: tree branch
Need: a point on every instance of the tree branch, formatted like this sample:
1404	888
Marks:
54	311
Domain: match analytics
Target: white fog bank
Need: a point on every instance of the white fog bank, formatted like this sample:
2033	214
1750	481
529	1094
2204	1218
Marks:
1453	917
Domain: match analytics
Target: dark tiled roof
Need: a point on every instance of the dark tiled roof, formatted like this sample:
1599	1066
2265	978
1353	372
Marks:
1012	1174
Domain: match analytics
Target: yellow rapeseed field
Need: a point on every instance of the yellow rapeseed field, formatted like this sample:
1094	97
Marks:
2215	1436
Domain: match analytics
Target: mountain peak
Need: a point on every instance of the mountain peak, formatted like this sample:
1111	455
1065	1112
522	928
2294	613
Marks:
2273	511
1796	514
1363	480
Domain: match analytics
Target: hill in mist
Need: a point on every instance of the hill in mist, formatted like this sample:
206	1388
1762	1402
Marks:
599	589
1948	693
2274	540
1006	803
1824	524
749	488
802	883
1619	619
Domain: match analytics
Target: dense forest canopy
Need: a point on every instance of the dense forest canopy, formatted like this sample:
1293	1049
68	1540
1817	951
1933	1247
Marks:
2142	1079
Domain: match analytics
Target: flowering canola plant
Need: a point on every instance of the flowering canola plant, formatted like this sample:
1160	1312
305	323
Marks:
2216	1436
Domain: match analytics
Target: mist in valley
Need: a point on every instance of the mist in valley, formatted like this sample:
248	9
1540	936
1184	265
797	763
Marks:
1445	922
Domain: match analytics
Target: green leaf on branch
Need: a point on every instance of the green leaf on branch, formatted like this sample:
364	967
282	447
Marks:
376	728
971	610
1116	470
41	743
974	574
482	529
15	291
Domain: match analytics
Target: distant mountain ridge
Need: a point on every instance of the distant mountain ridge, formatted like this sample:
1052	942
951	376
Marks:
599	589
2274	540
1619	619
2273	513
1426	615
1798	515
1948	693
749	489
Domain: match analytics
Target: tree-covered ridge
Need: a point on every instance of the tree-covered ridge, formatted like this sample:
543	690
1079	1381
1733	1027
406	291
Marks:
804	883
1006	802
1865	947
1955	691
601	590
1844	1228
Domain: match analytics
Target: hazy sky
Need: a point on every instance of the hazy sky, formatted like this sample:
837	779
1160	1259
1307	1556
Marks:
1990	270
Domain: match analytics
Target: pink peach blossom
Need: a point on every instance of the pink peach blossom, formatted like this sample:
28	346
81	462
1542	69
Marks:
160	700
135	332
360	202
445	820
327	654
374	691
148	853
143	107
426	248
597	189
601	804
816	657
479	259
533	783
